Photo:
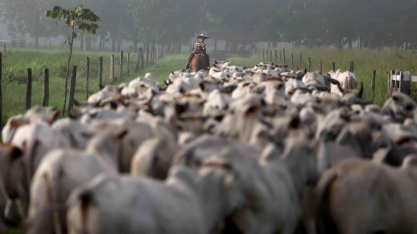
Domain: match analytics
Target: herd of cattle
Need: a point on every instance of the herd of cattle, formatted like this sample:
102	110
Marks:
229	150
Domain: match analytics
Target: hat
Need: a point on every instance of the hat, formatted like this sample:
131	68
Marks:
202	36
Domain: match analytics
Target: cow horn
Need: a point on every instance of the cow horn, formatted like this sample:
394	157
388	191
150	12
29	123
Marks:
341	89
360	93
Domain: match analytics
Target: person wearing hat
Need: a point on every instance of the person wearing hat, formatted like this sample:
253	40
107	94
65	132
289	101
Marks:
199	48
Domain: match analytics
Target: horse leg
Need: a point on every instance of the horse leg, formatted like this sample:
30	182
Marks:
208	60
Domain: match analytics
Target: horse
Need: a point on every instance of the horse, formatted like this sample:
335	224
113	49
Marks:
198	62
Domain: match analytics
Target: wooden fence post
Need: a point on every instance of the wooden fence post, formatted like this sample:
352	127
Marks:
127	64
276	56
283	54
1	92
292	60
100	73
270	55
351	66
301	61
321	66
309	64
142	59
147	56
373	85
72	88
29	89
137	67
280	55
333	66
121	64
112	68
45	98
87	78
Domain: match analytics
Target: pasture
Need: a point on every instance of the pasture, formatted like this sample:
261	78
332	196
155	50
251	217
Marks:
16	62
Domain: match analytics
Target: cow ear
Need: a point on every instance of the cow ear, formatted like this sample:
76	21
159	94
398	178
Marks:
15	123
15	153
122	134
202	86
54	116
270	152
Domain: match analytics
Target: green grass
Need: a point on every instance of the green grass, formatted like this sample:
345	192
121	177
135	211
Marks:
17	61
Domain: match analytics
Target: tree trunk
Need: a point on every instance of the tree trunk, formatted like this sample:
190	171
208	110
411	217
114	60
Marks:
82	42
113	43
36	41
135	45
350	43
71	41
119	36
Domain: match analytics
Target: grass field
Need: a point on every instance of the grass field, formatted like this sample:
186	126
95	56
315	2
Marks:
16	62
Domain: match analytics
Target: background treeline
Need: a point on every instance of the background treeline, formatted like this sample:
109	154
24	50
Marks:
311	23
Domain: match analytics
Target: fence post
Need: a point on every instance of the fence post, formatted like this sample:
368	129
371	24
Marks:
309	64
127	64
1	92
351	66
112	68
270	55
100	73
147	56
263	54
301	61
142	59
321	66
292	60
72	88
276	56
283	54
280	56
87	78
373	85
137	67
121	64
29	89
333	66
45	98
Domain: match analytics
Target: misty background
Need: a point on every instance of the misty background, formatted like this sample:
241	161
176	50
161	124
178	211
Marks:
371	24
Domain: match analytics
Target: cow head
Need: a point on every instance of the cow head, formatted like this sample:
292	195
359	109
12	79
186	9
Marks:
399	107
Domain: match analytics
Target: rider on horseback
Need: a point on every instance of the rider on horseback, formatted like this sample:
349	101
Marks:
199	48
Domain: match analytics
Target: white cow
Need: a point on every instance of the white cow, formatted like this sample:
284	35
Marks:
346	79
58	174
187	203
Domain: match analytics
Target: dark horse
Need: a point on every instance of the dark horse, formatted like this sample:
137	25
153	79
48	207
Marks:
198	62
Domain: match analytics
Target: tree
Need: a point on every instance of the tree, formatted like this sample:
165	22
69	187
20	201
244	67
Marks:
79	18
25	16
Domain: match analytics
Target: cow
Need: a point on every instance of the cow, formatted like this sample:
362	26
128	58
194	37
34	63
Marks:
58	174
346	79
399	107
187	202
153	158
359	196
